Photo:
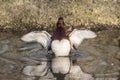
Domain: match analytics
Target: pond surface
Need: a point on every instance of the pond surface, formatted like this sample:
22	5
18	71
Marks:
96	59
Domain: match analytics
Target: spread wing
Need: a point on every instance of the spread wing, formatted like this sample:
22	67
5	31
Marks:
77	36
41	37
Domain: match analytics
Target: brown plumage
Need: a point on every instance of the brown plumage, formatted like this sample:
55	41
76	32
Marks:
59	32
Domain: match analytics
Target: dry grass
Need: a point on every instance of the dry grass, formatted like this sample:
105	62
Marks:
29	14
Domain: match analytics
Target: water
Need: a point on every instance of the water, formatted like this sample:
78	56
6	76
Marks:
96	59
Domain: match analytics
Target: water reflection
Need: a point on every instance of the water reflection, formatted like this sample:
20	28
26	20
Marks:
39	70
59	67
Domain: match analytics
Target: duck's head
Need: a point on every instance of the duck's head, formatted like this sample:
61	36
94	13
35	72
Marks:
60	22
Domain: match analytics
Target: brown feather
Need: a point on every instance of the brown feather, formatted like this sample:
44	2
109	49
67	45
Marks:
59	32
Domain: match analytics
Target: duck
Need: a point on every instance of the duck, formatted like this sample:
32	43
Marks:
60	43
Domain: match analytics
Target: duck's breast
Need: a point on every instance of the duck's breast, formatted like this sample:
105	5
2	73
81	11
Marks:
61	47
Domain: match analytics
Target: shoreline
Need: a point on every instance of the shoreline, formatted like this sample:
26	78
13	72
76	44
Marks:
93	27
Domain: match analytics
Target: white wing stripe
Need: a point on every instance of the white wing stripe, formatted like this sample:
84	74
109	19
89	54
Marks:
42	37
77	36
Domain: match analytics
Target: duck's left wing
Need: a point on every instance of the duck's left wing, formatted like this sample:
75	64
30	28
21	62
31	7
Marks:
77	36
41	37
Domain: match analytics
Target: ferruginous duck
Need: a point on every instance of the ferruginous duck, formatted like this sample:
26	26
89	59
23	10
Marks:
60	43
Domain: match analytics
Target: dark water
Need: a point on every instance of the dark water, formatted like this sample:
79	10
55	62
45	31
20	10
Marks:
96	59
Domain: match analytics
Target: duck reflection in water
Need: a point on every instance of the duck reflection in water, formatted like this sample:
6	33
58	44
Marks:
59	67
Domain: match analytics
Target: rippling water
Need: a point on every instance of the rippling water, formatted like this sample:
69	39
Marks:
96	59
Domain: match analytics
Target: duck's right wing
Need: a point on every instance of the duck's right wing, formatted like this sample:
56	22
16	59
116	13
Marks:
41	37
77	36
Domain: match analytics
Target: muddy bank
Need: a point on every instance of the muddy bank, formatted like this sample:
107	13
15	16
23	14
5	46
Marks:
93	26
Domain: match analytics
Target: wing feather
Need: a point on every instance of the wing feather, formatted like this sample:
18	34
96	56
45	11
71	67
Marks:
41	37
77	36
